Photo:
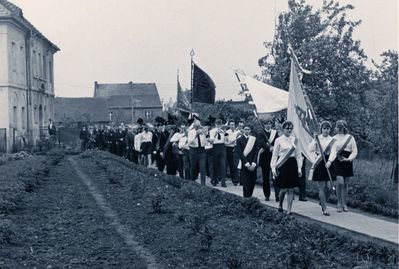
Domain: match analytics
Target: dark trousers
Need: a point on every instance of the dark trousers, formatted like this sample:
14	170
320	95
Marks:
132	156
197	159
186	164
231	163
171	162
219	162
209	163
302	181
160	162
248	180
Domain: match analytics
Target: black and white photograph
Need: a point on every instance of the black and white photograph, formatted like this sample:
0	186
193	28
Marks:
199	134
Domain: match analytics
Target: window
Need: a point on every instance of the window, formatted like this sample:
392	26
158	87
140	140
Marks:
44	68
34	67
13	57
23	117
22	60
35	115
50	71
40	67
15	117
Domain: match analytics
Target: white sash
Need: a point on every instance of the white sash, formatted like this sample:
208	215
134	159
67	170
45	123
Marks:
248	147
272	136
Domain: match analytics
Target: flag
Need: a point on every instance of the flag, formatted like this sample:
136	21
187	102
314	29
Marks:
266	98
203	87
182	101
300	113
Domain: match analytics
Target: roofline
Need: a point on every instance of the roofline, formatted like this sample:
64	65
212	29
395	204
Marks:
28	27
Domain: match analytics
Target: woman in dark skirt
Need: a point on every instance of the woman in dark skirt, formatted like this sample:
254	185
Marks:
286	165
342	155
146	146
320	173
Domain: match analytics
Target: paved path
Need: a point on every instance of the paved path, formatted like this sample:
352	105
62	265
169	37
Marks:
360	223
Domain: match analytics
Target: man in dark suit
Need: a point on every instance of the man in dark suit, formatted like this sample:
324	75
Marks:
266	140
247	150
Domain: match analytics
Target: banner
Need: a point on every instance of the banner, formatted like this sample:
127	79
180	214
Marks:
301	115
266	98
182	101
203	87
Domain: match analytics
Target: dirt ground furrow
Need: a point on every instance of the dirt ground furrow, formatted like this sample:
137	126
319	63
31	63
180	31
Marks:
61	226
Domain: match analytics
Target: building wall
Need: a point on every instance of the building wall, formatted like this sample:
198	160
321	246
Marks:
24	111
125	114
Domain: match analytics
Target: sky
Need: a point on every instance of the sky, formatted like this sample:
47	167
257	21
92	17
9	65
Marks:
147	41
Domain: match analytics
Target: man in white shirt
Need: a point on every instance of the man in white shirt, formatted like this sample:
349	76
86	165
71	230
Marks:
196	141
217	137
231	142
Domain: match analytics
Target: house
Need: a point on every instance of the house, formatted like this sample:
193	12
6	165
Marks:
26	80
129	101
76	112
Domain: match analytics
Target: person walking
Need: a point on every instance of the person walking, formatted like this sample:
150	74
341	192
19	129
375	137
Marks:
217	138
231	142
286	165
342	155
267	139
196	141
247	150
318	171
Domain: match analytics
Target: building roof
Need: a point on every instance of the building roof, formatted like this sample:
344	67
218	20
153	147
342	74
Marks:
123	95
80	109
12	12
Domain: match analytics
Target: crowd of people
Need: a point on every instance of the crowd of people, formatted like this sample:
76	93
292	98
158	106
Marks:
216	149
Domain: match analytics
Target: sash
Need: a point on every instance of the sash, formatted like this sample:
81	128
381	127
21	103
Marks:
165	147
272	136
344	145
248	147
319	158
282	160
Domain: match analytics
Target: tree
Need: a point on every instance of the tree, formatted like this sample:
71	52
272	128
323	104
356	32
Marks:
383	100
322	39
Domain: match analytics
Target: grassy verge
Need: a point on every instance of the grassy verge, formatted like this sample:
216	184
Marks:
186	225
370	190
18	178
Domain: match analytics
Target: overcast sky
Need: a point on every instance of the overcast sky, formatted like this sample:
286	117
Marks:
148	40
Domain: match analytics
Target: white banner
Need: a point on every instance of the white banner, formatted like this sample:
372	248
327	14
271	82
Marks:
266	98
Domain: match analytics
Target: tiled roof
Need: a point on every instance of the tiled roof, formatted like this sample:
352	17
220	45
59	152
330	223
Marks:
17	15
123	95
81	109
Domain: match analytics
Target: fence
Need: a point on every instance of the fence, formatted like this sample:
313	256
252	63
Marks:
68	136
3	140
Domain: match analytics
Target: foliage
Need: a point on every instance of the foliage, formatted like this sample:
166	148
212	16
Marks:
340	81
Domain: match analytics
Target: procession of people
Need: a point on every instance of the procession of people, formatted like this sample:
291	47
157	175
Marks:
207	150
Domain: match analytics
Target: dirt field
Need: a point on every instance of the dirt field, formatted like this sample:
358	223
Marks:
96	210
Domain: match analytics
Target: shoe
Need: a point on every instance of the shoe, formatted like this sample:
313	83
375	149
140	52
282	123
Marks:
277	199
280	209
224	185
345	209
267	199
303	199
339	210
326	213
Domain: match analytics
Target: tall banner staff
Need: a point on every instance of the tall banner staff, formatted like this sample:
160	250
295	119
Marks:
309	110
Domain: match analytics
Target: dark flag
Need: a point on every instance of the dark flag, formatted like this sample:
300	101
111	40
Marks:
182	101
203	87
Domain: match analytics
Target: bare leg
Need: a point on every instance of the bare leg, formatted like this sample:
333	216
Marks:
281	198
340	189
345	194
290	199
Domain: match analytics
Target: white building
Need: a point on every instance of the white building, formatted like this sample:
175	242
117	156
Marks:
26	80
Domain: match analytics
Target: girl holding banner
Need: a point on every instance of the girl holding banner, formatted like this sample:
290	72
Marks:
343	152
318	171
286	165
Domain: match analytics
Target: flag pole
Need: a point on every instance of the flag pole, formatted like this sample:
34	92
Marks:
192	73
